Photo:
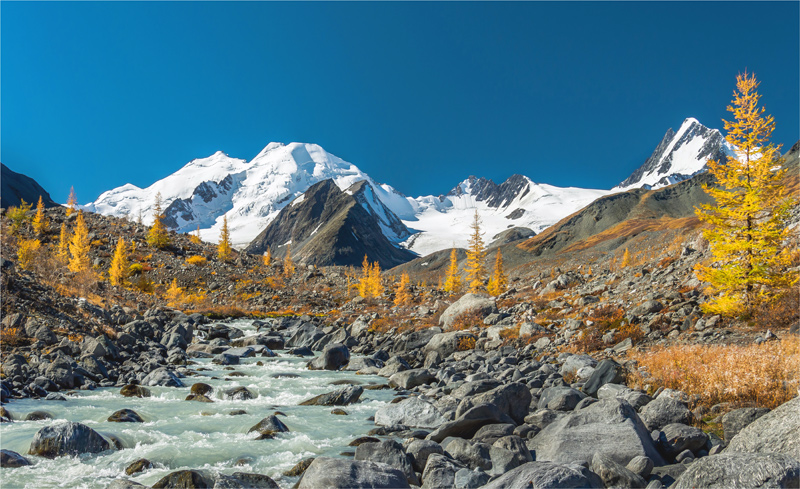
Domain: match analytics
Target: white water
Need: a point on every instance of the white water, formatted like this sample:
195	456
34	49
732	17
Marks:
178	434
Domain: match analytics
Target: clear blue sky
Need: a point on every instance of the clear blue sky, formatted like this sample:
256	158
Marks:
418	95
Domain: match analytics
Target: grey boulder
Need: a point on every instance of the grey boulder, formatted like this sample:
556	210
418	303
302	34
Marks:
340	397
749	470
356	474
408	379
467	304
162	377
412	412
67	439
665	410
777	431
388	452
334	357
541	475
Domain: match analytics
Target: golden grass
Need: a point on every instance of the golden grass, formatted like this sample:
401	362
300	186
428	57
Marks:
765	375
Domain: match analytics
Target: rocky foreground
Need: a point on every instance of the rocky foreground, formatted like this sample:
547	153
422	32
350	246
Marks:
469	412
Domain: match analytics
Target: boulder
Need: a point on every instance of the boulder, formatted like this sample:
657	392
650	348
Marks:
341	397
239	393
440	471
388	452
304	336
677	437
67	438
10	458
610	427
493	432
509	453
338	472
665	410
241	351
606	372
225	359
162	377
734	421
334	357
614	474
468	423
640	465
738	469
637	399
573	363
125	416
512	399
412	412
474	455
445	344
270	424
470	479
408	379
139	465
467	304
244	480
561	398
541	475
185	479
420	450
777	431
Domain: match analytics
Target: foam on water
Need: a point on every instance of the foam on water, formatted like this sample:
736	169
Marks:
180	434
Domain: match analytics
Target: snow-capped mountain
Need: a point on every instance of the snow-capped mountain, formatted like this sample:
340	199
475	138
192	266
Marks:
679	156
251	193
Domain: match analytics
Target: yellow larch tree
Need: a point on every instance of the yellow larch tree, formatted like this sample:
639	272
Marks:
27	251
363	281
288	264
40	223
174	294
626	259
476	253
498	284
72	202
195	238
63	245
268	257
747	222
224	249
158	237
120	267
402	294
79	246
375	286
452	281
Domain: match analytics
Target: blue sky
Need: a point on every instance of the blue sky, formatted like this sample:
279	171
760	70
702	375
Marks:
418	95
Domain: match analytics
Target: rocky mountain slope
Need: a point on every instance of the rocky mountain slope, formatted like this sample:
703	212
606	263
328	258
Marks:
16	187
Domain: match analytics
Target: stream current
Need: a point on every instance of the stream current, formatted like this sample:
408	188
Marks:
182	435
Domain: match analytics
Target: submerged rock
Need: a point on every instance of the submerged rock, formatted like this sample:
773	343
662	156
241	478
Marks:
67	439
341	397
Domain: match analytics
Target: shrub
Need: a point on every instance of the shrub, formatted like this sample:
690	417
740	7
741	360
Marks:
196	260
753	375
467	320
782	312
27	252
136	269
466	343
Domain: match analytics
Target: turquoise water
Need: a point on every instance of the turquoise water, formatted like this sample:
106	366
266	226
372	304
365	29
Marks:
180	434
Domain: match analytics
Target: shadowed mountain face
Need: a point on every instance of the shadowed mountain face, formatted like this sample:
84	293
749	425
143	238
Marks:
328	226
16	186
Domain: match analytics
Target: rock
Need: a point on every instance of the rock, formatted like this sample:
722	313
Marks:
225	359
54	396
132	390
493	432
636	399
270	424
508	453
606	372
447	343
305	336
124	484
573	363
614	474
360	363
541	475
648	307
470	422
200	388
198	398
334	357
610	427
470	479
162	377
512	399
420	450
339	411
408	379
244	480
239	393
677	437
125	416
741	470
341	397
439	472
388	452
467	304
241	351
412	412
668	474
777	431
561	398
299	467
665	410
185	479
363	439
9	458
640	465
38	416
337	472
67	439
138	466
734	421
473	455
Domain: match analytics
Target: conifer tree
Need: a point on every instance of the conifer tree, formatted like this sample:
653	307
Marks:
452	281
79	246
18	215
626	259
174	294
195	238
158	237
375	286
224	249
498	284
402	294
748	219
120	267
363	282
288	264
63	245
27	252
40	222
72	202
268	257
476	270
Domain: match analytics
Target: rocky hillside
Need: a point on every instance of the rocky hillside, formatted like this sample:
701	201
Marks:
17	187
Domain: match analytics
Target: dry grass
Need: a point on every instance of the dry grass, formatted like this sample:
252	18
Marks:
467	320
783	312
765	375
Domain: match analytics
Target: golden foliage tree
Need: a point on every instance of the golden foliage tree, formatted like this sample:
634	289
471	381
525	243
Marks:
288	264
452	281
79	246
158	237
626	259
476	253
40	222
195	238
224	249
18	215
72	202
63	245
120	267
375	286
498	284
268	257
27	252
402	294
363	281
748	219
174	294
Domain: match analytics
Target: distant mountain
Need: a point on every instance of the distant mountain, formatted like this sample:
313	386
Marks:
328	226
680	155
16	186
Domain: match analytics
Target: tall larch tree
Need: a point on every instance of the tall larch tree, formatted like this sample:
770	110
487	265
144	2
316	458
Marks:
158	237
63	245
72	202
79	246
195	238
747	222
452	282
498	284
476	253
268	257
119	271
402	294
224	250
375	285
40	223
288	264
363	281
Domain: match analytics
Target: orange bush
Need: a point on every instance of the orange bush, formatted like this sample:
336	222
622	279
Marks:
467	320
466	343
196	260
